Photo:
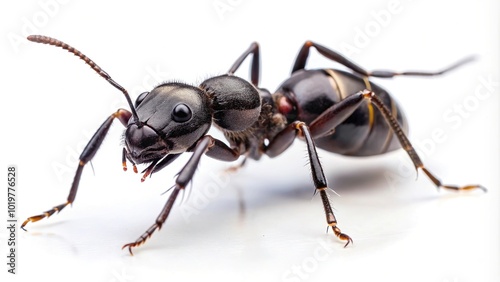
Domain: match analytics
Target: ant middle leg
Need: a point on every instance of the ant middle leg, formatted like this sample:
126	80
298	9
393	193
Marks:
282	141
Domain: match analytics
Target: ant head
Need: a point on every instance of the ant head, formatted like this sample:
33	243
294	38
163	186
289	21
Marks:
174	116
171	118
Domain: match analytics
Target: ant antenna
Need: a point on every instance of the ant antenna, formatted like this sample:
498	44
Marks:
58	43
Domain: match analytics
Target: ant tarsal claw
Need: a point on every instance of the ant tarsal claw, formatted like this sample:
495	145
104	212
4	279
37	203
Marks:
464	188
438	183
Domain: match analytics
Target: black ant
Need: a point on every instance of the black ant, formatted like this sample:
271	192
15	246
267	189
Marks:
337	111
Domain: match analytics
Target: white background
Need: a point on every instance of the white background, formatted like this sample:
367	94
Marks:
404	231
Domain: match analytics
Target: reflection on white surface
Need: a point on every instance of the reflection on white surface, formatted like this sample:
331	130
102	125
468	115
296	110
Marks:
261	223
279	235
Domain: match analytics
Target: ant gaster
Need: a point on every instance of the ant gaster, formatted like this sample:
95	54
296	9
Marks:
327	108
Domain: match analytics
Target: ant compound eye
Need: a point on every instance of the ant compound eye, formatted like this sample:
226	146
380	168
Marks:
181	113
140	98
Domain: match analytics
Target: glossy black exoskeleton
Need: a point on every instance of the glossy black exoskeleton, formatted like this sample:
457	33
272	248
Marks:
338	111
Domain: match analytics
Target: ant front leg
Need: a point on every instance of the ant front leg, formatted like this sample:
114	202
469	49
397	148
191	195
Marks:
206	145
86	156
282	141
300	63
